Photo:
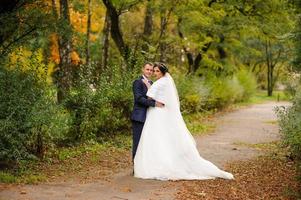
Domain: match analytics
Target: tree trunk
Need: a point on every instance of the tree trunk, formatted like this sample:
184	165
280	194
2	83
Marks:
115	30
148	26
221	51
162	44
270	68
88	34
40	149
106	41
270	80
148	20
54	11
65	71
164	18
193	63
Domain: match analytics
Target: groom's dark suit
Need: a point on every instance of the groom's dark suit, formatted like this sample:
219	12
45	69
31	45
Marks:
141	103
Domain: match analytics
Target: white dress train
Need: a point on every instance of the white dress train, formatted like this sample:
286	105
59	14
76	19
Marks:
167	150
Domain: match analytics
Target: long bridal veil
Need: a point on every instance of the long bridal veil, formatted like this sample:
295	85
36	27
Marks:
164	90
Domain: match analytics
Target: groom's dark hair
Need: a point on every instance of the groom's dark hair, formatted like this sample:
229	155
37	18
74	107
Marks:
162	67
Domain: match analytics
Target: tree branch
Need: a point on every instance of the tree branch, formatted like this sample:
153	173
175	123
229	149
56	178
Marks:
115	30
16	40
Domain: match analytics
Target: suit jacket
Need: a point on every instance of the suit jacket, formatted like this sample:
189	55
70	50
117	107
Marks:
141	103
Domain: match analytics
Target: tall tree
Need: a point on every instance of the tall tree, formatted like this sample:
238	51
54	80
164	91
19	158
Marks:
193	60
148	26
106	41
64	72
88	34
116	33
297	59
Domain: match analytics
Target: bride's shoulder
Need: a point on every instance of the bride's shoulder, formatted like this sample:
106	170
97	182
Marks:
160	82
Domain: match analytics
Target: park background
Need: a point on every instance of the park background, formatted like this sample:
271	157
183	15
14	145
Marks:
67	67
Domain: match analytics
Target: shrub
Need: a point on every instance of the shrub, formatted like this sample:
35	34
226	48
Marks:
248	81
290	125
291	84
223	91
102	109
214	91
192	92
29	117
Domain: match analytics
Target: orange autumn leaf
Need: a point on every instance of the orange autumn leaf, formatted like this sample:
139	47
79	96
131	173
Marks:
75	59
54	49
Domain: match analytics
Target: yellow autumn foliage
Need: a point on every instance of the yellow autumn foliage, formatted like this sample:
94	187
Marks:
26	60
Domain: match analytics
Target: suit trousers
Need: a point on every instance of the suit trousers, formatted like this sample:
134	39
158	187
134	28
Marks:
137	130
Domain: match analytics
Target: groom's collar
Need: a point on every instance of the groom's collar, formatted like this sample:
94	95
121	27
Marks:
145	77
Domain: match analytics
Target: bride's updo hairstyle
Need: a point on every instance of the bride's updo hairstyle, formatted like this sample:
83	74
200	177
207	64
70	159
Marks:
162	67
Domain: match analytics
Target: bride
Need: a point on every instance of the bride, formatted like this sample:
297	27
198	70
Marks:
167	150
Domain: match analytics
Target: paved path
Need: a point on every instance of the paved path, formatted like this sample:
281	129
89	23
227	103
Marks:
250	125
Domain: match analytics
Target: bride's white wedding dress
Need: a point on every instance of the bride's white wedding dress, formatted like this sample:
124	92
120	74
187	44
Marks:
167	150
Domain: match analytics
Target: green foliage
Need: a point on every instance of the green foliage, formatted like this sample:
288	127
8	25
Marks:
297	58
192	92
7	177
248	81
291	84
23	22
290	125
102	109
29	118
261	96
197	123
48	123
199	94
223	91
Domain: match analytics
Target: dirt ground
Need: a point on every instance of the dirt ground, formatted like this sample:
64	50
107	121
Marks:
230	142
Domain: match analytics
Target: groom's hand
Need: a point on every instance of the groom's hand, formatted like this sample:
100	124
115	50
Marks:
159	104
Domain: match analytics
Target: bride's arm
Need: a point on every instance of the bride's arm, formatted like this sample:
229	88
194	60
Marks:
157	103
153	94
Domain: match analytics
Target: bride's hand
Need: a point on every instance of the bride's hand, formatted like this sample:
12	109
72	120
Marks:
146	83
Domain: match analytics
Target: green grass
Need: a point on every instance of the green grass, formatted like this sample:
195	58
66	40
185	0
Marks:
275	146
199	123
7	177
271	122
261	96
72	152
26	176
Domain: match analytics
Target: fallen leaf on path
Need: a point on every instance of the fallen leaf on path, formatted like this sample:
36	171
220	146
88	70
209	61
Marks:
23	192
126	189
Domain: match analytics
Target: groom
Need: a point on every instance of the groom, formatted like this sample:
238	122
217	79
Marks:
141	103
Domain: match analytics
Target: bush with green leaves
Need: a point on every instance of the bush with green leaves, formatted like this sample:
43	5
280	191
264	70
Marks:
248	81
192	92
30	120
223	91
102	109
212	92
290	125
